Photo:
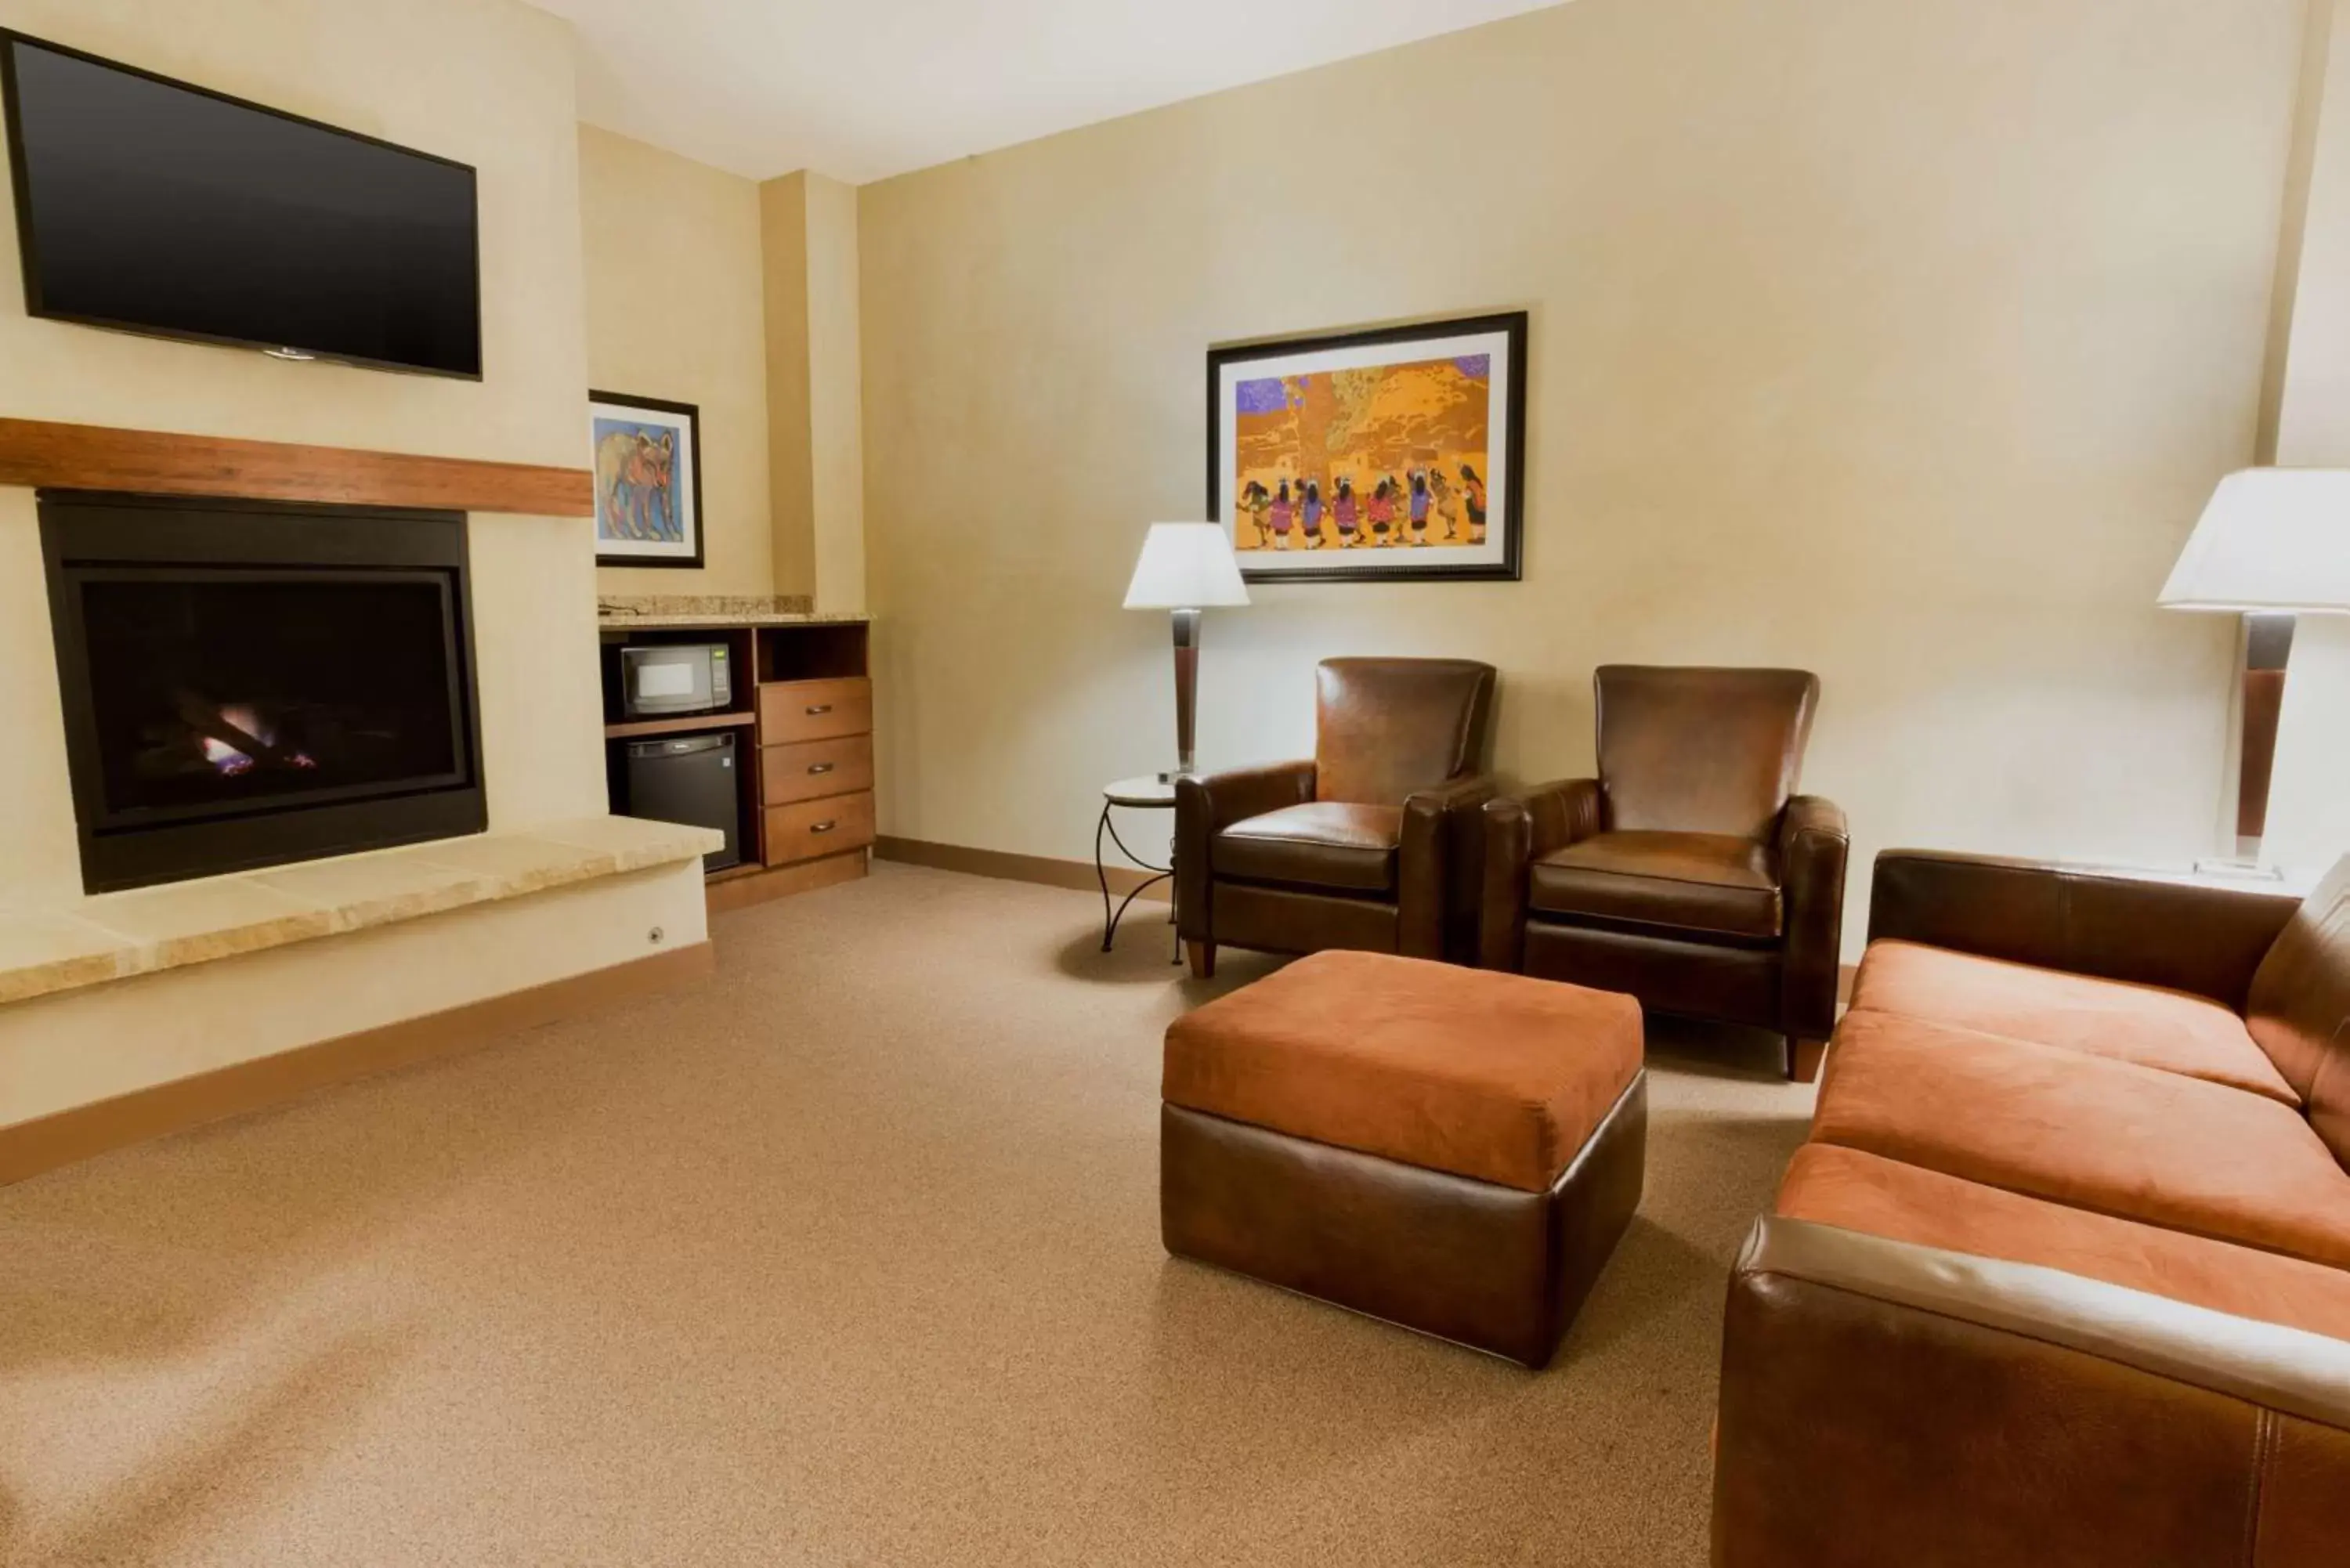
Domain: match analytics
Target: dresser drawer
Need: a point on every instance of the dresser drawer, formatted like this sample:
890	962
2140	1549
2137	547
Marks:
809	828
795	711
813	768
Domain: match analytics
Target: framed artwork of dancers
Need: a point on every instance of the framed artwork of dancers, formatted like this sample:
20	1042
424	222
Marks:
1396	454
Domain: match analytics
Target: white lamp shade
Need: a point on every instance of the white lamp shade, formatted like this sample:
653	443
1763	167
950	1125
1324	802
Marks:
2272	539
1186	566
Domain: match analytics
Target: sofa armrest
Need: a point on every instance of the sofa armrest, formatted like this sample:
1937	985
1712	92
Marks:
2146	929
1437	862
1565	812
1515	830
1464	794
1205	806
1876	1396
1814	844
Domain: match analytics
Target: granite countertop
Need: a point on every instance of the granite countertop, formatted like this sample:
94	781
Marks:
113	936
714	609
770	617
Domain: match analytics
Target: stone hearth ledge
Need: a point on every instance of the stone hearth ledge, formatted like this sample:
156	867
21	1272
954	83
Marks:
113	936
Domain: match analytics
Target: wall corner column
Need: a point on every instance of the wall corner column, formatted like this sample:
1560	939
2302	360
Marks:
815	390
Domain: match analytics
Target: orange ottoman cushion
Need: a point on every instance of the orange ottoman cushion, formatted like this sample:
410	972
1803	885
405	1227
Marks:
1494	1076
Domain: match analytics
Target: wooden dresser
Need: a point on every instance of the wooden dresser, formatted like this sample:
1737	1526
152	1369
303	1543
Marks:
805	715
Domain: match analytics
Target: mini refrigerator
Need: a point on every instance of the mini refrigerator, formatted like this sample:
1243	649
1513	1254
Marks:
687	778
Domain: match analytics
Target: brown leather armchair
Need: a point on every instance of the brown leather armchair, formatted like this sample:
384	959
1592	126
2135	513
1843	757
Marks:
1371	844
1688	873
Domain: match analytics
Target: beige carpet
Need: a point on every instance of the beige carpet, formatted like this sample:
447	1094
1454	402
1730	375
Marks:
849	1256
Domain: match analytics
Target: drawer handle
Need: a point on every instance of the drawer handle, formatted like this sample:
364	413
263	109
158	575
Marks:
819	709
825	827
821	767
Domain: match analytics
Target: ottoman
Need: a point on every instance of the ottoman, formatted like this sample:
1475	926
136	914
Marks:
1455	1150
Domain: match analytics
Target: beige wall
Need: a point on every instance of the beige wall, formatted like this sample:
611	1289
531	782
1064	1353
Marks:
1898	342
503	103
488	82
2314	371
836	395
2308	820
706	288
671	255
815	452
791	469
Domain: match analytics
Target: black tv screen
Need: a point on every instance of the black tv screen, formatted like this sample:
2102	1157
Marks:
149	204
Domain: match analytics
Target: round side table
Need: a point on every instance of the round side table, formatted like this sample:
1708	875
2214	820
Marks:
1147	792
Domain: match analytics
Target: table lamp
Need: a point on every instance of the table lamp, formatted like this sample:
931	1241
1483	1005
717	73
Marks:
2276	541
1185	567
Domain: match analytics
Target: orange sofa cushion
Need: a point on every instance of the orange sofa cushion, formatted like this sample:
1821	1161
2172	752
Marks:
2141	1023
2123	1140
1858	1191
1494	1076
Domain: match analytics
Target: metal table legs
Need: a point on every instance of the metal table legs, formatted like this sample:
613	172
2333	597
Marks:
1111	916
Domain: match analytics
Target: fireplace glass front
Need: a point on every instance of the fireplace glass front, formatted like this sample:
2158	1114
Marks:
248	685
216	691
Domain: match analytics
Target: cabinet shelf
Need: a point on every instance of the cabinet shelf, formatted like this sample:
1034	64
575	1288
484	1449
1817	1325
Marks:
635	729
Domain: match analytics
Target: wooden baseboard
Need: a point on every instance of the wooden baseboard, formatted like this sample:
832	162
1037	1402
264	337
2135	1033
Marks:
728	891
28	1149
1078	874
1009	868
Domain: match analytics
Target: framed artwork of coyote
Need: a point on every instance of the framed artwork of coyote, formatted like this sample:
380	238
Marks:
1393	454
647	457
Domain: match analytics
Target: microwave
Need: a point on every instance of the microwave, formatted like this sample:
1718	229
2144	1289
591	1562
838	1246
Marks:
688	678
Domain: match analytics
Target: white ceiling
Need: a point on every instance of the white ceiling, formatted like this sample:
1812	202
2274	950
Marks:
859	89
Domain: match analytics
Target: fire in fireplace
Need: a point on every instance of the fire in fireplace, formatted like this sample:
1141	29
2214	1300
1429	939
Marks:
236	738
246	684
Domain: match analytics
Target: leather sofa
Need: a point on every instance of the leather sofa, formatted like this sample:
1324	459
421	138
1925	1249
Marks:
1370	844
1688	873
2062	1275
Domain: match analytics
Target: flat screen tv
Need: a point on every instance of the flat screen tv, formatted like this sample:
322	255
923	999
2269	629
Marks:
155	206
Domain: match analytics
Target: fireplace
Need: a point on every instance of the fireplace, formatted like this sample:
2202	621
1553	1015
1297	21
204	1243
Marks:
246	684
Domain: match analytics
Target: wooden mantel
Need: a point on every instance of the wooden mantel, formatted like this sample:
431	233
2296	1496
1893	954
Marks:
157	462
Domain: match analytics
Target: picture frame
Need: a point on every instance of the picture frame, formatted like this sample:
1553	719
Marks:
1395	454
645	456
